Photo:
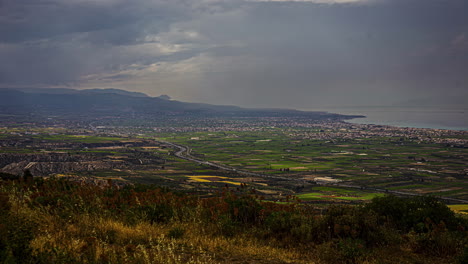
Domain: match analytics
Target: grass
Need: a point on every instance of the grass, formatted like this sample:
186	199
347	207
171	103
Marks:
56	221
151	244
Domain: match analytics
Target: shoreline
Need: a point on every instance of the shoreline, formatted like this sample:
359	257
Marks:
359	121
443	118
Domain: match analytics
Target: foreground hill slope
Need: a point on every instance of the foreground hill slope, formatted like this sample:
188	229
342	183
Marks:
59	221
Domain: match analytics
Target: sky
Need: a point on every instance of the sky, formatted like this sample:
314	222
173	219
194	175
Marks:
303	54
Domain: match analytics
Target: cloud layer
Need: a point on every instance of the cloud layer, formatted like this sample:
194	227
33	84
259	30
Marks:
272	53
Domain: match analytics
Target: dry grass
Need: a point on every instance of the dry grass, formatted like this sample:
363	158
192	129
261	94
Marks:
86	224
107	239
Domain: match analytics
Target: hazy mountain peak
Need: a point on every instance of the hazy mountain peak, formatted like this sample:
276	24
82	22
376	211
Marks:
164	97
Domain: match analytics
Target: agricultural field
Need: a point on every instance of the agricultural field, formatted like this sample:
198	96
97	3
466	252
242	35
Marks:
314	163
333	193
459	208
389	163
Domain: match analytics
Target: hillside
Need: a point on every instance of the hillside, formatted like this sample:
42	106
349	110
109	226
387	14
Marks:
58	221
98	103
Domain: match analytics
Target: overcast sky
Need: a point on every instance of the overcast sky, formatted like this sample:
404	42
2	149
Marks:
272	53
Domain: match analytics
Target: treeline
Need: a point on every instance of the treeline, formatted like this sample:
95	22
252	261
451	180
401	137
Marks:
57	221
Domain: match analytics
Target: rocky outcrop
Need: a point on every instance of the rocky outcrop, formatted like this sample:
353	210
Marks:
54	145
9	158
48	168
63	163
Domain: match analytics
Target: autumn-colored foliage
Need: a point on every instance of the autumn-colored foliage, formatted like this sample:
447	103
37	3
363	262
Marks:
59	221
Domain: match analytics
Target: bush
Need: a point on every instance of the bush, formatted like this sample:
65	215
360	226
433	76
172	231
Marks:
300	227
352	250
439	241
348	251
226	226
353	222
463	258
19	233
244	209
408	214
8	177
343	234
157	213
280	222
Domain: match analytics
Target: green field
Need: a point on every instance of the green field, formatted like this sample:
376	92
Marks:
368	158
330	193
392	163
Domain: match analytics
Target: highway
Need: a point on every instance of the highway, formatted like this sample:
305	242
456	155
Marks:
183	152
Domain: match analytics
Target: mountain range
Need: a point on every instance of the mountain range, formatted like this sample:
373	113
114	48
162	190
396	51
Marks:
115	102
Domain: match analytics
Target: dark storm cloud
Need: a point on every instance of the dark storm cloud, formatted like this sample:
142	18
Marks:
26	20
379	52
255	53
56	42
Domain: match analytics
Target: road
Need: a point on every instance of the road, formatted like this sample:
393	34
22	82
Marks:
183	152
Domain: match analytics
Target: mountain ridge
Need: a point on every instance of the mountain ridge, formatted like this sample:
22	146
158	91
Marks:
115	102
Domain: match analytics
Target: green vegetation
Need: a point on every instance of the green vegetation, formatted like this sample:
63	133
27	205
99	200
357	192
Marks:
288	188
58	221
388	163
392	163
199	221
328	193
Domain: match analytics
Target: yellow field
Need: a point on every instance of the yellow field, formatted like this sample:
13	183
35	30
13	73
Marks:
459	208
211	178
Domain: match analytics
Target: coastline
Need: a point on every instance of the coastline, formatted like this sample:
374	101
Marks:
360	121
433	118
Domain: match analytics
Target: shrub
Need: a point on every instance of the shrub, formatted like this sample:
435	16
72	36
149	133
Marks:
353	222
284	224
463	258
279	222
348	251
343	234
8	177
352	250
226	226
411	213
244	209
157	213
19	233
439	241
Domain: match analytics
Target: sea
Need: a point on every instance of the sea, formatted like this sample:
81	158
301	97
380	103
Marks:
453	118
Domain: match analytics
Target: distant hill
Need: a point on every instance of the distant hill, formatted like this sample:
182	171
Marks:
114	91
98	103
165	97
